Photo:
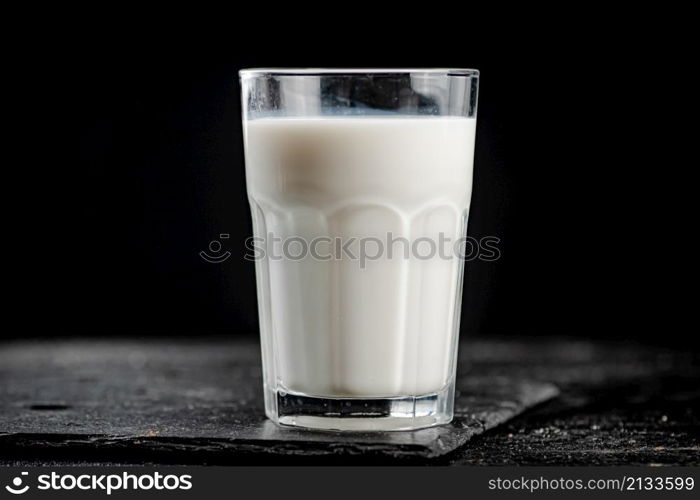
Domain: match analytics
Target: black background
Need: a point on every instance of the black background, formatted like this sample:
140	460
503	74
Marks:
567	174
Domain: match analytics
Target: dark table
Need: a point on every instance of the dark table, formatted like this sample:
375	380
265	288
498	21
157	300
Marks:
529	402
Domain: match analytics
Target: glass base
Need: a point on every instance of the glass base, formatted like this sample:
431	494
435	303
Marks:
402	413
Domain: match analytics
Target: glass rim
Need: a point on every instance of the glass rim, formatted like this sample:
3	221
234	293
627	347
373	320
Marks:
256	72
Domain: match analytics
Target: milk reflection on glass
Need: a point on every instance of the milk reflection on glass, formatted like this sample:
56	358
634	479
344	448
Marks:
345	156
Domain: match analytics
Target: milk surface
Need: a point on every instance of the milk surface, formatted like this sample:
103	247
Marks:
330	327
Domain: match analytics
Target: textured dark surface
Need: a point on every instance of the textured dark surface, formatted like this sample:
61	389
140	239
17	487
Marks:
200	402
619	405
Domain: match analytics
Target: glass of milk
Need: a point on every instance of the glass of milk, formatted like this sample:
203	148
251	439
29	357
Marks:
359	183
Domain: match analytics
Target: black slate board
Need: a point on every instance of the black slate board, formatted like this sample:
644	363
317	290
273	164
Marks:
177	400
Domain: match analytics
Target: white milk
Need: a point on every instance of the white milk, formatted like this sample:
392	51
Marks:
329	327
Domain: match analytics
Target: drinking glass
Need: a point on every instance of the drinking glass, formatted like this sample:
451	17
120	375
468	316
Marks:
359	183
